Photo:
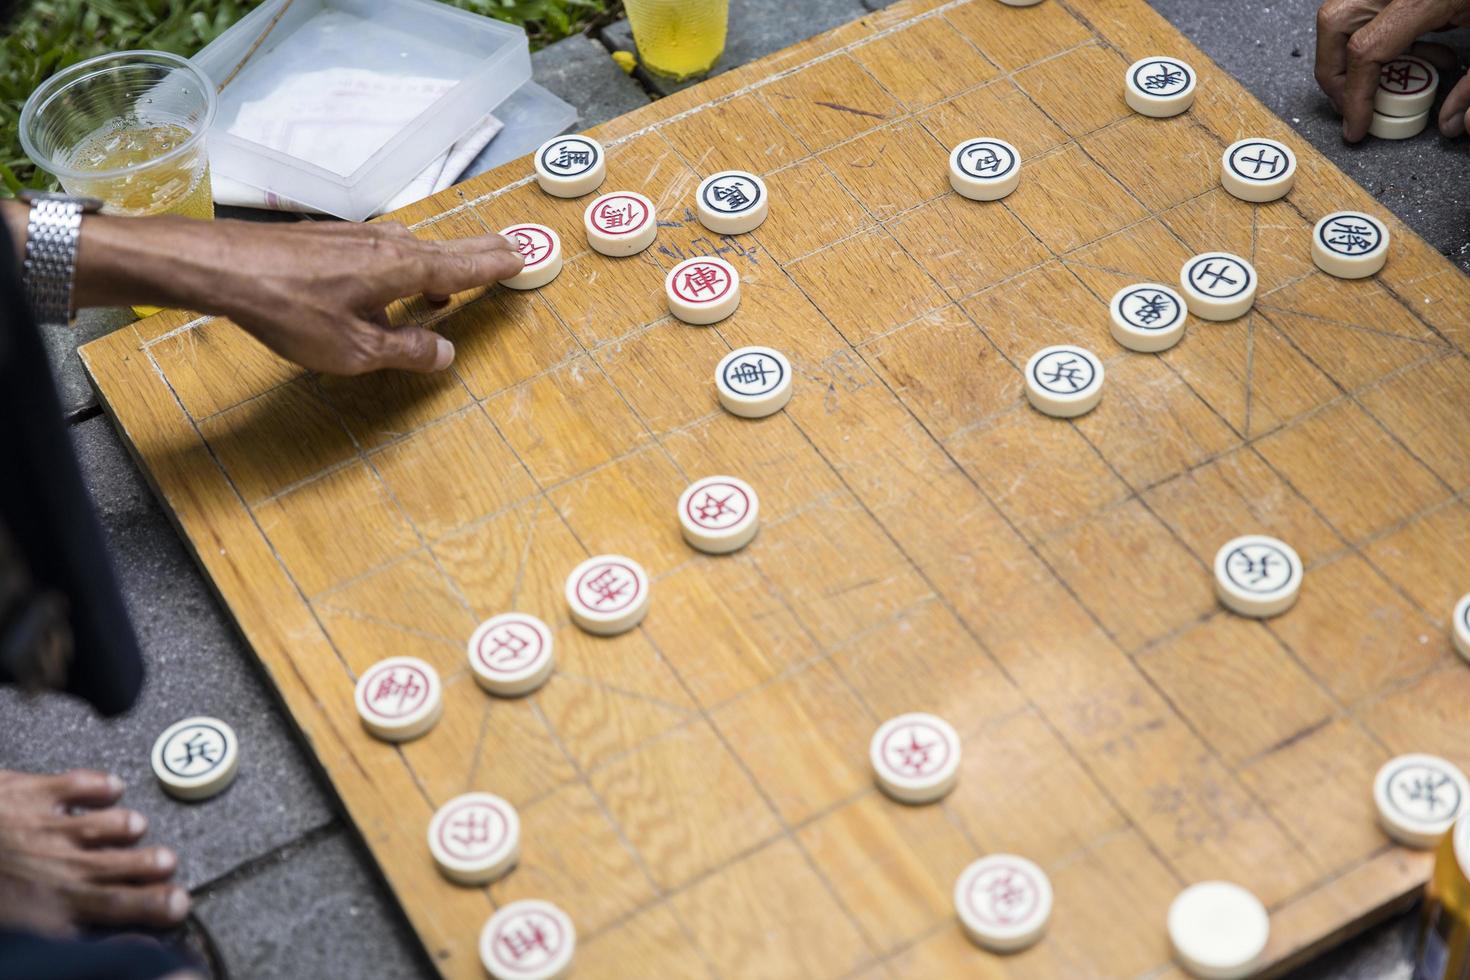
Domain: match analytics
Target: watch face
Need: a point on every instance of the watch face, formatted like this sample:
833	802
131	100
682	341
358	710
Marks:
89	205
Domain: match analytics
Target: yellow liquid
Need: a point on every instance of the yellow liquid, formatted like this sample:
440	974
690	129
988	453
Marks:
178	186
678	38
1444	941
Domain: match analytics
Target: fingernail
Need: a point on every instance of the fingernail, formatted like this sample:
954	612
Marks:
444	355
178	904
114	784
164	858
136	824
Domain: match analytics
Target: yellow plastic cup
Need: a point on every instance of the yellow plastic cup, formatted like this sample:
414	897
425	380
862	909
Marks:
678	39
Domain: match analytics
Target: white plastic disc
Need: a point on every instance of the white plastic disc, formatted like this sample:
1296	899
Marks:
1147	317
719	514
1218	285
753	382
621	223
1350	244
1406	87
511	654
1461	628
196	758
608	594
1257	576
541	248
475	838
1064	381
1219	930
915	757
1258	169
1004	902
399	698
1419	797
1020	3
528	940
570	166
732	202
1159	86
1397	127
984	169
702	290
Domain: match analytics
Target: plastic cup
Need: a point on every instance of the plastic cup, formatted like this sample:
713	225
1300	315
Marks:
127	128
678	39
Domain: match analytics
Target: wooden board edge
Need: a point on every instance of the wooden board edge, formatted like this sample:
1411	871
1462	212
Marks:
388	809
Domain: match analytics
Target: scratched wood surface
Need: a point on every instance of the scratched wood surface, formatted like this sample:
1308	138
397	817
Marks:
695	793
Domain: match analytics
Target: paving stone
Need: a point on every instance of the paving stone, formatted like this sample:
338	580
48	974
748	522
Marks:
66	367
757	27
312	910
196	665
582	71
1384	952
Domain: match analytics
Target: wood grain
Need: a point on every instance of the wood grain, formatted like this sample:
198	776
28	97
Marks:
695	792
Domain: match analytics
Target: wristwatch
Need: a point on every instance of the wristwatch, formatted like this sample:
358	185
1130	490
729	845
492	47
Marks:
52	232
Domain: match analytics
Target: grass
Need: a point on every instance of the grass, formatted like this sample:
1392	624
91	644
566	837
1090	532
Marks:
48	35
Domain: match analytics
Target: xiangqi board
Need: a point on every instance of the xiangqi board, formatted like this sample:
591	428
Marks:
695	793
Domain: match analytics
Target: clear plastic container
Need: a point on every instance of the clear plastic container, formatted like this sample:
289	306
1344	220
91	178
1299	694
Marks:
530	117
413	75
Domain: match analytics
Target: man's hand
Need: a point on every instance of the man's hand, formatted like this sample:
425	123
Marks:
313	292
1356	37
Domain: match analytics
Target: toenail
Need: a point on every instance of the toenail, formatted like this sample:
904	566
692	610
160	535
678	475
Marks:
136	824
178	903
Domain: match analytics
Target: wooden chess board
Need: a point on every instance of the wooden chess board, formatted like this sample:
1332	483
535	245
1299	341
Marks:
696	793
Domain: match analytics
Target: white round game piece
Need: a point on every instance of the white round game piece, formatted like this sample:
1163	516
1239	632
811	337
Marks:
1461	628
702	290
915	757
1419	797
719	514
1257	576
570	166
1147	317
621	223
753	382
1397	127
1004	902
1350	245
1218	285
475	838
732	202
1159	86
1020	3
1064	381
984	169
511	654
528	940
1219	930
1257	169
1406	87
399	698
541	248
608	594
196	758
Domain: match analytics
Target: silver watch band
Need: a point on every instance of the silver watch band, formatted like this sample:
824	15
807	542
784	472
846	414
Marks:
52	233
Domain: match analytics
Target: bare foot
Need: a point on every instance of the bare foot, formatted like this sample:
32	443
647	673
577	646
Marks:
67	857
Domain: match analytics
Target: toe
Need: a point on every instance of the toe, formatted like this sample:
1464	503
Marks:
125	864
100	828
132	905
85	787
